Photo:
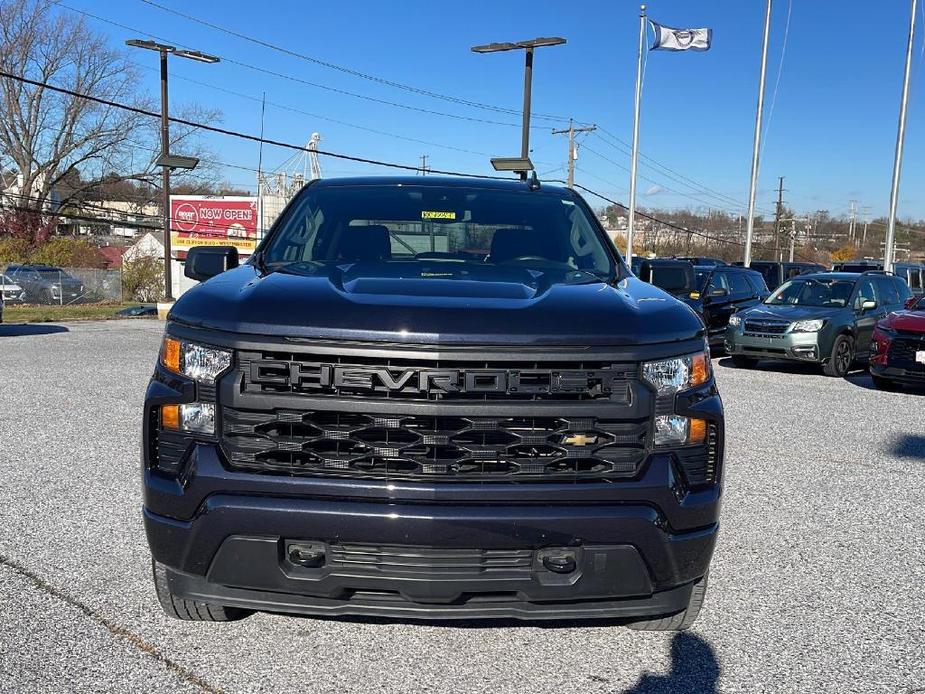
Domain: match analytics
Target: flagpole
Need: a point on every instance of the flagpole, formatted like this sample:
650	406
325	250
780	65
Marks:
753	186
632	209
888	252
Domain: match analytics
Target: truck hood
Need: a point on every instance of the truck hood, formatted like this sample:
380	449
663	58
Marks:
789	313
353	303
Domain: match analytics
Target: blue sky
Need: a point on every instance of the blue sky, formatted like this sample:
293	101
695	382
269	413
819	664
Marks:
831	133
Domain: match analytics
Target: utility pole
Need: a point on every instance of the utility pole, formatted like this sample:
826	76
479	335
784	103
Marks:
572	152
423	164
854	208
793	236
777	215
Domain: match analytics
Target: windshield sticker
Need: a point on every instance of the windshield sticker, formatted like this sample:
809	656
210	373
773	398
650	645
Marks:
437	214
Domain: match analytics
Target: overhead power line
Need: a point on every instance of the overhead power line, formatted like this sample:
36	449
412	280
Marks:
234	133
346	70
622	146
299	80
672	225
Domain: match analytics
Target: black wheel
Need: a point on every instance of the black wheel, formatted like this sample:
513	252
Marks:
881	383
190	610
742	362
680	621
46	297
841	358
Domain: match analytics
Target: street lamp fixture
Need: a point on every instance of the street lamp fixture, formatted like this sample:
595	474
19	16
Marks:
165	160
528	47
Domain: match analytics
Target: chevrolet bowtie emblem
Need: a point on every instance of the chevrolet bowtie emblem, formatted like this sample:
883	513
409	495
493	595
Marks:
579	440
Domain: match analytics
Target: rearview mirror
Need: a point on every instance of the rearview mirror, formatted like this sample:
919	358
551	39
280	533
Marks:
205	262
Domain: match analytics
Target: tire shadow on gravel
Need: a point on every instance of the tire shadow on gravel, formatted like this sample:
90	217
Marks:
694	668
29	329
909	446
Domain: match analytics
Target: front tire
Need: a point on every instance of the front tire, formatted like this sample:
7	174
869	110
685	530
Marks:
190	610
841	357
682	620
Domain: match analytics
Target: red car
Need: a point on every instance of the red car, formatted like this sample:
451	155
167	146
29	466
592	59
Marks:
897	348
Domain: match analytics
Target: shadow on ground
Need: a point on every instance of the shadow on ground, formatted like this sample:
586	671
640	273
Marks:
909	446
693	669
27	329
788	367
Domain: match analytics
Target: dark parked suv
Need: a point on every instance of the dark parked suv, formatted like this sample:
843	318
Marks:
46	284
826	318
722	291
775	274
433	398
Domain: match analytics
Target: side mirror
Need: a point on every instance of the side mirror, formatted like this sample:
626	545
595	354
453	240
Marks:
205	262
868	305
911	301
719	291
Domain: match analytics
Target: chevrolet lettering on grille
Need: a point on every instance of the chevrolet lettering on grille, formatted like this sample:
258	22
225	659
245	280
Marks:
348	378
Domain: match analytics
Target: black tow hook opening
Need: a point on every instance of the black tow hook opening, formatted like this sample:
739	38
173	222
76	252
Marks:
560	562
311	556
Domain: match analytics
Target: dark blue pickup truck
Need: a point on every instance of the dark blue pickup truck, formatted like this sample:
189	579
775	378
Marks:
434	398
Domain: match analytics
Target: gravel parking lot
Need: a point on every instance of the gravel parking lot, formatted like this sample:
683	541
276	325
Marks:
818	583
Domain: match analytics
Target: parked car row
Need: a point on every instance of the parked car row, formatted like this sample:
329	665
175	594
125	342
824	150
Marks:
837	319
42	284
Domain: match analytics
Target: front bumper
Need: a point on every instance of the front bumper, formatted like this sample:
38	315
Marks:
897	374
636	549
792	346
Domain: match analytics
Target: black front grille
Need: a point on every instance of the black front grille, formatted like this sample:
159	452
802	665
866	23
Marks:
765	327
903	350
423	560
390	446
434	380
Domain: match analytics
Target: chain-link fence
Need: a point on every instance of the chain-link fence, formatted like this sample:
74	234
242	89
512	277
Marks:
43	284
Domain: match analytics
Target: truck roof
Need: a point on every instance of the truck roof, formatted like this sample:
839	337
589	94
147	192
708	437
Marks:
440	181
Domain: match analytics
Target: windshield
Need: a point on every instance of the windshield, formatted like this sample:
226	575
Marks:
445	232
674	280
830	293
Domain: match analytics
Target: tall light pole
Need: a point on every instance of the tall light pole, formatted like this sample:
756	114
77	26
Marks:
165	160
528	46
756	148
888	251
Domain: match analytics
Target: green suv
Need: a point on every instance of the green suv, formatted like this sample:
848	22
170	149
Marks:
826	318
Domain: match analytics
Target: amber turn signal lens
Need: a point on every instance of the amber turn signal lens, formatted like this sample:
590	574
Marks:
170	354
700	369
170	416
698	431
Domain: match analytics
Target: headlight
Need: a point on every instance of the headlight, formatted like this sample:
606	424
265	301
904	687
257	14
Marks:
807	326
199	362
680	373
735	321
196	417
675	430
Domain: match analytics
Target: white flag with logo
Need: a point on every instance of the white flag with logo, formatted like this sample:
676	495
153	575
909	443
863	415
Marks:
670	39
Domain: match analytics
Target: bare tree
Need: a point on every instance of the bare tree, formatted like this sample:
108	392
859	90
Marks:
45	135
